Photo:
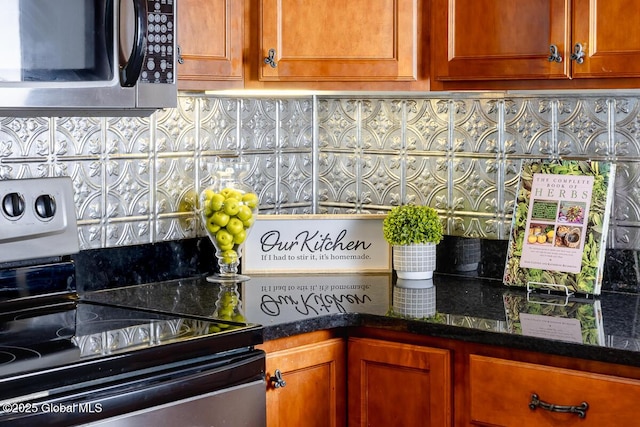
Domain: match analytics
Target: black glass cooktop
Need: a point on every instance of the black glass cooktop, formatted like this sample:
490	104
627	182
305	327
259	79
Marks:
69	341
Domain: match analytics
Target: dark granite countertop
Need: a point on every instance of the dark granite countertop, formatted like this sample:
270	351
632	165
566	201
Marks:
483	311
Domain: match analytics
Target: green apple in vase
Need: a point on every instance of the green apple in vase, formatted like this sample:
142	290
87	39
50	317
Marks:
228	210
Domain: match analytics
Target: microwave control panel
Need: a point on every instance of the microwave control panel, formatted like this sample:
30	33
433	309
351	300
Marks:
159	61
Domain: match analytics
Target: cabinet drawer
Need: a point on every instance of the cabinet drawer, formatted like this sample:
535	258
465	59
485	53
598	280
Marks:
501	392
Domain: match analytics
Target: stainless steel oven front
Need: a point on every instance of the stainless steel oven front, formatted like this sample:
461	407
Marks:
67	363
239	405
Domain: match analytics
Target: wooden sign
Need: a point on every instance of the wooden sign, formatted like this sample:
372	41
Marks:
316	244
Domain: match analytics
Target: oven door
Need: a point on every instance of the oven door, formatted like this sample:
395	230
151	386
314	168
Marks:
228	391
239	406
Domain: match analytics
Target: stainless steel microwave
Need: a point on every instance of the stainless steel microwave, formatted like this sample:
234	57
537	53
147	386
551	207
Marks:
87	57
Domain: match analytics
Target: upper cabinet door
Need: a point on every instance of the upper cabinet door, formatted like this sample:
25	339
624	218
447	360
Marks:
337	40
608	32
500	40
210	36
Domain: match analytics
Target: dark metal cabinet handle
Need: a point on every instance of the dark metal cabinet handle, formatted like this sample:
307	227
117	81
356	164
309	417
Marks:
277	380
271	58
580	410
554	55
180	58
578	53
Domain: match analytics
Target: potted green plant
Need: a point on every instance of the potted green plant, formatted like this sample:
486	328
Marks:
413	231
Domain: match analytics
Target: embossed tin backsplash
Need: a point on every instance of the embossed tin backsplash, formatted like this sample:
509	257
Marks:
134	178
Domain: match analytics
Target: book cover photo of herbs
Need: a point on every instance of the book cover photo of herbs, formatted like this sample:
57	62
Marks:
560	222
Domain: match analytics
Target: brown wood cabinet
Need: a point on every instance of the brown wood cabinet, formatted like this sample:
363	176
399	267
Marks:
479	44
408	44
381	377
316	44
502	391
313	368
395	384
610	36
334	40
490	385
211	38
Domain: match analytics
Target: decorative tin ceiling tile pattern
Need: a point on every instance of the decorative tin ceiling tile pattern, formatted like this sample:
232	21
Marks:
527	127
26	149
218	125
258	121
136	179
626	129
582	127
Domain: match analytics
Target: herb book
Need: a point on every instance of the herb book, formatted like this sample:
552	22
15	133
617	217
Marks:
560	222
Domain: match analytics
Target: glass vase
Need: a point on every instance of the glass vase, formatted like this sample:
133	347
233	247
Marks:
228	209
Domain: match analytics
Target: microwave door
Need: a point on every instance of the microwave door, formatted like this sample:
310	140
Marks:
61	58
62	41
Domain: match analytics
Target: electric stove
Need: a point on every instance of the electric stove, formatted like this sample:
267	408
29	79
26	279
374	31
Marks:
68	361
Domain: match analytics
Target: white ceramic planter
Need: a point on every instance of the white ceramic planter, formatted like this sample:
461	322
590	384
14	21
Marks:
415	261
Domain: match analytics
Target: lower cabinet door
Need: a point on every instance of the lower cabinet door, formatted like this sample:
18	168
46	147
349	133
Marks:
306	385
508	393
393	384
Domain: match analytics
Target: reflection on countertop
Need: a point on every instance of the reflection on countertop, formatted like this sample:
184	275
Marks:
272	300
478	310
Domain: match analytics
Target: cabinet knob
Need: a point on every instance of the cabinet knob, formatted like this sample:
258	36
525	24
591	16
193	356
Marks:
554	55
580	410
578	53
277	379
271	58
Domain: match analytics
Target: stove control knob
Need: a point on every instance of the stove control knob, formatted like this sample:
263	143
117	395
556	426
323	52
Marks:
45	206
13	205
